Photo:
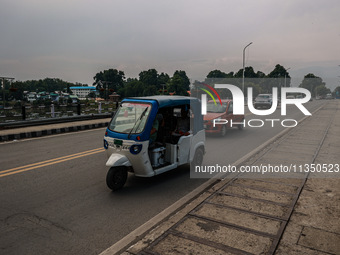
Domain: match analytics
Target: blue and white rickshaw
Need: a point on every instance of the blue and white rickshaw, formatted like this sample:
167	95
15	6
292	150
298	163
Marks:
132	145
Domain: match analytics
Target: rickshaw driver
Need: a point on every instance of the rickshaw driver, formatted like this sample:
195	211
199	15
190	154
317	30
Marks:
154	130
155	127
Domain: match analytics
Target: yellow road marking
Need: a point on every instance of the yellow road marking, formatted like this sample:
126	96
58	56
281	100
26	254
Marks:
49	162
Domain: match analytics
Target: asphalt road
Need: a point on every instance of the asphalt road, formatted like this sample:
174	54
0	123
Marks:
54	199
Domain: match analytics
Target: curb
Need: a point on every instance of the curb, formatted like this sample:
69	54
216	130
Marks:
50	131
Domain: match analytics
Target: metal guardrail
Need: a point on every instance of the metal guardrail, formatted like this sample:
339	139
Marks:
28	123
37	112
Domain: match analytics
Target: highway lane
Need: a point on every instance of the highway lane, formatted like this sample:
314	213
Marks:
66	208
251	137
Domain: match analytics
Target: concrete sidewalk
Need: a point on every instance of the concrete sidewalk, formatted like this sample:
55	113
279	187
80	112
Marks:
291	213
42	130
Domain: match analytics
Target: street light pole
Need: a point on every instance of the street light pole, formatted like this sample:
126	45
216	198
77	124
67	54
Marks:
243	66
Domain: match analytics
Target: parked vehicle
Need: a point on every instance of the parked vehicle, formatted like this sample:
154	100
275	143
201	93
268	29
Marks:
263	100
132	146
329	96
223	115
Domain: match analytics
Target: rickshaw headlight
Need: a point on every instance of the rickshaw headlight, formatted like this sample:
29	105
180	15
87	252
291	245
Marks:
106	144
135	149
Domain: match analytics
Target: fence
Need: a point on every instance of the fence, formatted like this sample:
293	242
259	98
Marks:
33	112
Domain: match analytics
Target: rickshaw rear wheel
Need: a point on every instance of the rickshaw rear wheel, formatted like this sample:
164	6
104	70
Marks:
240	126
223	130
116	177
198	157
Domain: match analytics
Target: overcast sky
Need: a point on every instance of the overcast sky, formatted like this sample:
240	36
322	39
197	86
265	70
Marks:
74	39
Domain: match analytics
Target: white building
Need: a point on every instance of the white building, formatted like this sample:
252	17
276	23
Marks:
31	96
82	92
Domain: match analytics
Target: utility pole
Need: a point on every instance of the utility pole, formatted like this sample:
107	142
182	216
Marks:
163	90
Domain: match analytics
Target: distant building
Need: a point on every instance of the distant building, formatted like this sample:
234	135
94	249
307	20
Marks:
74	98
31	96
54	97
82	92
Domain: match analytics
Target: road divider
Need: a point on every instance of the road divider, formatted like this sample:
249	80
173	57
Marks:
29	167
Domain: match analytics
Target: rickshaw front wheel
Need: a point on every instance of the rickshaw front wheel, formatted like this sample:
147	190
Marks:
116	177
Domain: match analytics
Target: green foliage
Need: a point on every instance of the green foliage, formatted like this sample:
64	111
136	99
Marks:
336	92
248	72
92	94
132	88
16	89
322	90
278	72
150	82
179	83
219	74
149	77
314	84
260	74
109	80
163	79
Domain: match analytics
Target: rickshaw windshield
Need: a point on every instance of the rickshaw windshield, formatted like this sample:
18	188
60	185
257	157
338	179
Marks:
130	118
217	108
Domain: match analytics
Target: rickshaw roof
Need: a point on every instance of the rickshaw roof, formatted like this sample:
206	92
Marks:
167	101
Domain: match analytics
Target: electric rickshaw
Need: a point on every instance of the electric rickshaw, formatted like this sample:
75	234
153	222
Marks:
147	137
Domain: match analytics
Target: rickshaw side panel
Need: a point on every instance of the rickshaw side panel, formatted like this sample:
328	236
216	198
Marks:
116	159
140	162
197	141
184	147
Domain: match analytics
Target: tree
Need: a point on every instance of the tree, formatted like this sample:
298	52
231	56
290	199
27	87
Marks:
179	83
132	88
109	79
279	72
336	92
149	77
314	84
163	79
217	74
260	74
280	78
322	91
152	81
248	73
47	85
92	94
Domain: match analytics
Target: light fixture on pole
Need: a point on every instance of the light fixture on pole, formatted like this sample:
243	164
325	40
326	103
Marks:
243	66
